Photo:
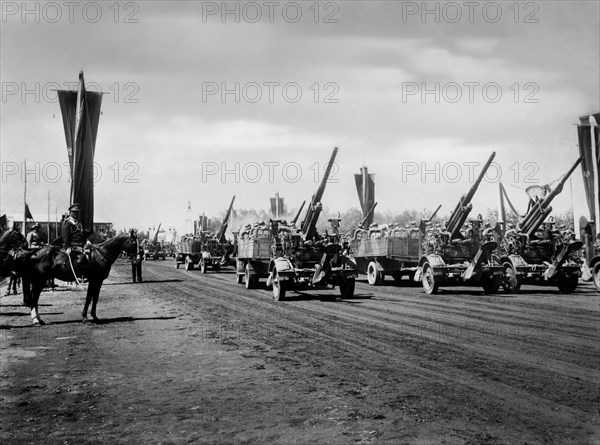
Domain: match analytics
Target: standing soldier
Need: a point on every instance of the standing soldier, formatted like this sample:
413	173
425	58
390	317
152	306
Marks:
136	264
33	237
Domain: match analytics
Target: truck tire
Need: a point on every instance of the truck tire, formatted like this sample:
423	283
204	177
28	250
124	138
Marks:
374	276
430	284
279	288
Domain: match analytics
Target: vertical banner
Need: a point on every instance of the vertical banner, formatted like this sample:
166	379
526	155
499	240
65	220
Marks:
81	114
590	164
365	187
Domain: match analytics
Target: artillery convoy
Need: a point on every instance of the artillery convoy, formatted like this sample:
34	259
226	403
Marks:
205	250
452	257
546	258
292	258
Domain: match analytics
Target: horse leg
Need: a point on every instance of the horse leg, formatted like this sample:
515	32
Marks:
36	290
88	300
91	297
26	291
96	287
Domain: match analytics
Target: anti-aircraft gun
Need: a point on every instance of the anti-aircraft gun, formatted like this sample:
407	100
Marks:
292	257
154	250
451	257
305	258
529	257
215	248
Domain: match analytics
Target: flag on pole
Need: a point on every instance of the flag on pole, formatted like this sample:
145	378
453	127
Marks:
81	114
365	186
28	212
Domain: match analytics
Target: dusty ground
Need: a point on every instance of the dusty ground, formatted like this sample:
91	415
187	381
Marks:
191	358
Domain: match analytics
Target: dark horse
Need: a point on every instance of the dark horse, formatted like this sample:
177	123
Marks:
39	265
11	242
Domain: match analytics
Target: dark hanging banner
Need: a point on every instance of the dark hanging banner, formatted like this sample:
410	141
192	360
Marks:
589	167
81	115
365	186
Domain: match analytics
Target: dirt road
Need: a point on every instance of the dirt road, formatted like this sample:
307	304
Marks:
192	358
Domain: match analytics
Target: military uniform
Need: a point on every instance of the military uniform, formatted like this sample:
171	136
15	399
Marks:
73	240
33	238
136	264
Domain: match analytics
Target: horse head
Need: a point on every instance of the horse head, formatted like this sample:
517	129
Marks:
11	240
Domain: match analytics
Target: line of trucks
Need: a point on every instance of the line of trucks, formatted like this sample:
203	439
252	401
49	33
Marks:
292	256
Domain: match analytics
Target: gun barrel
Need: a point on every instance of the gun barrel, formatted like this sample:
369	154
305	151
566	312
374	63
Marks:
434	213
299	211
463	208
530	222
223	228
312	214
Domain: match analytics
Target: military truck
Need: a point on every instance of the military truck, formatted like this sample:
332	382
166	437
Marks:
388	249
453	258
292	258
205	249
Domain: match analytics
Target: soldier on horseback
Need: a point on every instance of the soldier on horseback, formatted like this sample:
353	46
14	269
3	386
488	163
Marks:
73	240
33	237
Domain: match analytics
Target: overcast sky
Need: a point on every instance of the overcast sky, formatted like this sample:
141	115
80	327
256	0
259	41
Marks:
395	90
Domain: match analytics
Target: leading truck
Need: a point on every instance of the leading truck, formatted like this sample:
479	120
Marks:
454	258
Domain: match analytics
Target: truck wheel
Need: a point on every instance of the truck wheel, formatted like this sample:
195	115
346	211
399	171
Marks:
248	278
202	266
597	277
279	288
568	283
347	286
374	276
511	282
430	284
491	284
189	264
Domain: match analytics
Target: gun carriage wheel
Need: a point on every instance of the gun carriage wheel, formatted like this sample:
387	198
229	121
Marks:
202	266
568	283
374	276
430	284
490	284
511	280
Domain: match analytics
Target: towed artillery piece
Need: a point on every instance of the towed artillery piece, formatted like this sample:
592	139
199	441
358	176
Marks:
154	250
292	258
381	250
546	260
453	258
206	250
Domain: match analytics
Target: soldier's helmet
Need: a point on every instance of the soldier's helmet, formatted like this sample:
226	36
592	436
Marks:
36	226
74	207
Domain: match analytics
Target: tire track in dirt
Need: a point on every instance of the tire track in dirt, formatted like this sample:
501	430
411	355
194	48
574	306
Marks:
365	336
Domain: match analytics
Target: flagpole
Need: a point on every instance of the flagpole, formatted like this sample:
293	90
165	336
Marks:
593	125
24	196
48	225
